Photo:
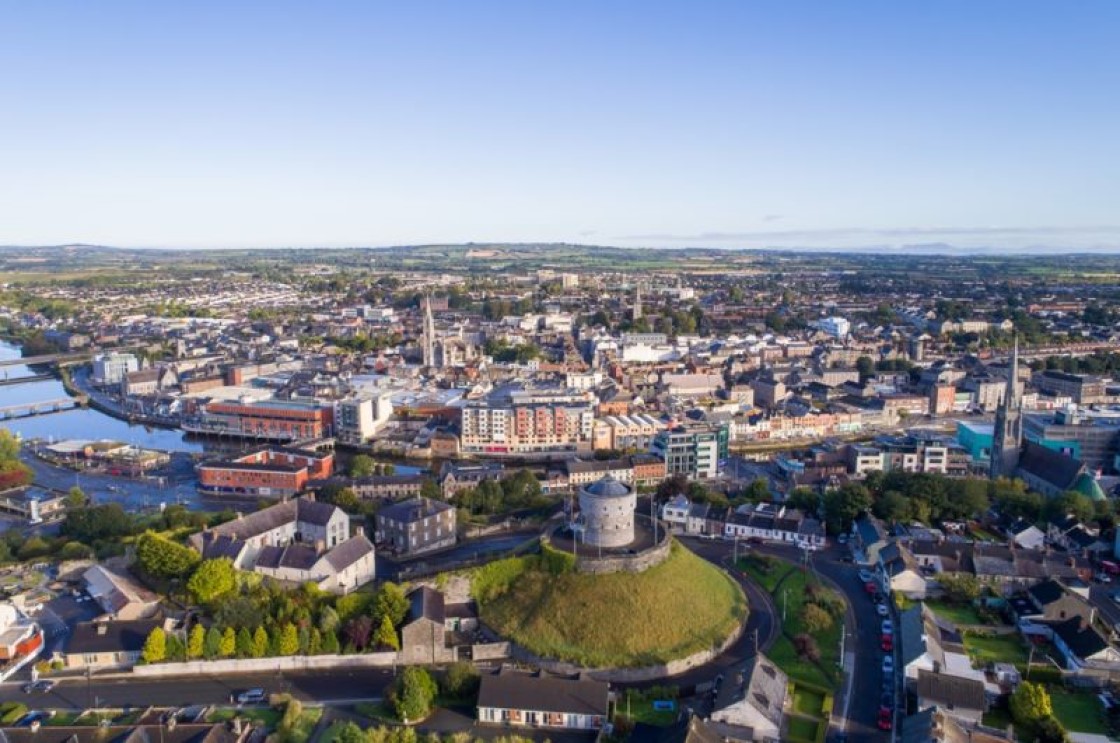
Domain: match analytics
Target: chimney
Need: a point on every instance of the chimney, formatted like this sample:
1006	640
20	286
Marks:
310	495
320	546
359	531
240	516
102	628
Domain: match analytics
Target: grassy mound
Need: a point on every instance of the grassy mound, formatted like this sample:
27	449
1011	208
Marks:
677	608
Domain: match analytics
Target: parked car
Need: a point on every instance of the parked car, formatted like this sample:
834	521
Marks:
38	686
842	539
886	719
1116	597
882	609
871	587
888	627
251	696
1103	578
888	664
887	643
866	576
886	702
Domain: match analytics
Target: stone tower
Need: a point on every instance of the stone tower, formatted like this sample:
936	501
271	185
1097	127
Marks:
637	314
607	507
1007	436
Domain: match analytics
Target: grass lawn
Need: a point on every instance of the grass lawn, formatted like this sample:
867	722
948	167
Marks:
784	655
959	614
807	702
997	718
998	649
768	579
66	719
266	716
642	711
802	729
377	711
677	608
1079	712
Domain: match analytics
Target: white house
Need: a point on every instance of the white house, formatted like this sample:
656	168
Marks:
753	704
537	700
675	512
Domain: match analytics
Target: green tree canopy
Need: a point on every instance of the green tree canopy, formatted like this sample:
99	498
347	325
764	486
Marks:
413	694
161	558
212	579
155	646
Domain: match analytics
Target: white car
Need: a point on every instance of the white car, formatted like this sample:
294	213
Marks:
882	609
888	664
866	576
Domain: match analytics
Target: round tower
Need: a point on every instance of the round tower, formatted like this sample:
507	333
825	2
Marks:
607	507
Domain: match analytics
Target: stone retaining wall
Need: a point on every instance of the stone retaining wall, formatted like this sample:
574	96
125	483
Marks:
635	563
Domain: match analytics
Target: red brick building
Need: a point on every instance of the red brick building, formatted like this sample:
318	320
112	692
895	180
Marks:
268	473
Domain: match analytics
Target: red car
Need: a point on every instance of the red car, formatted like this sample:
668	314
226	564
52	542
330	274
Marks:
887	643
871	587
886	719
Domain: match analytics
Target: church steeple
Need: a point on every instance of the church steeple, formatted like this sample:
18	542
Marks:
637	301
1007	434
429	333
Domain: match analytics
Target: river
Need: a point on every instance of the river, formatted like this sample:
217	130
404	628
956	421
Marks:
76	424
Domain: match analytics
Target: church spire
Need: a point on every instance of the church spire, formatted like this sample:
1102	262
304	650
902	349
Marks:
429	333
1007	434
637	301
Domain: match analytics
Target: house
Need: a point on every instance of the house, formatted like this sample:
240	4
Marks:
1081	645
423	634
1026	535
688	729
902	571
456	477
929	643
119	595
942	557
961	697
1053	601
773	523
697	521
936	725
522	699
751	707
416	525
675	512
234	731
107	643
868	537
296	541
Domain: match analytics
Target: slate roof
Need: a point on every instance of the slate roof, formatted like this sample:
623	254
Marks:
293	556
1050	466
909	633
411	510
688	730
510	689
345	554
223	546
1046	593
120	637
313	512
1084	643
254	524
764	687
427	603
954	692
180	733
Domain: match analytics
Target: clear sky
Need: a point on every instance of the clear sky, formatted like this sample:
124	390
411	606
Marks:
737	124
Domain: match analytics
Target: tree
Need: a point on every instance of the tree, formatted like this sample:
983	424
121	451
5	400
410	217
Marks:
161	558
843	504
758	491
260	643
806	647
430	489
959	588
75	498
212	579
328	620
391	602
1030	704
358	631
1069	503
1050	730
176	650
349	732
212	647
815	619
361	466
866	367
413	694
155	646
461	680
288	643
330	643
243	644
386	636
196	642
892	506
314	641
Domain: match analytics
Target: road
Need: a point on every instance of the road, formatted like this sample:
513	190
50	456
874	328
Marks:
121	691
862	645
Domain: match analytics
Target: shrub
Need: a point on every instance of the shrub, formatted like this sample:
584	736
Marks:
557	562
11	711
815	619
413	694
806	647
461	680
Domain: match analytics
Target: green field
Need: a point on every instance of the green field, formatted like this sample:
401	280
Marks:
677	608
1078	712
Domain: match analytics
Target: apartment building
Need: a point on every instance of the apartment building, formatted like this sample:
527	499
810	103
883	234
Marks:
527	422
266	473
697	450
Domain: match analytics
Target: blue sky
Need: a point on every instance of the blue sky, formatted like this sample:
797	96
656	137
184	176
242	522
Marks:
739	124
